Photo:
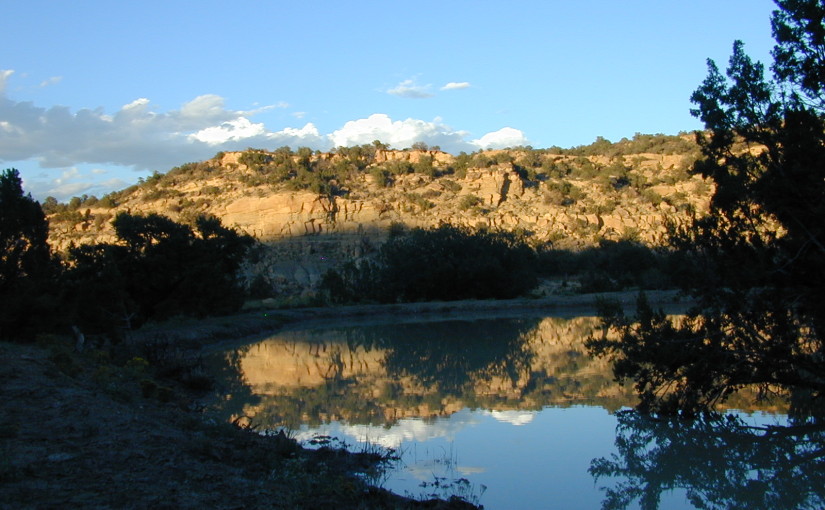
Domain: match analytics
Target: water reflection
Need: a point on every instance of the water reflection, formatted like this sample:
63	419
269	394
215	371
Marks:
515	405
377	375
721	461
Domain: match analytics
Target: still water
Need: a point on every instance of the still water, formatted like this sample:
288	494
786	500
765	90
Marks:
512	413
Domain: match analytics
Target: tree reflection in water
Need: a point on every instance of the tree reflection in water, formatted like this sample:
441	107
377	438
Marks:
375	374
719	460
450	355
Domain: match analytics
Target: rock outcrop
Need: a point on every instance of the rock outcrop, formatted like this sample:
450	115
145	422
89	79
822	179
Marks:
312	230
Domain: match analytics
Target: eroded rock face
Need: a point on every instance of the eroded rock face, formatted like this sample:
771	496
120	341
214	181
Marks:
282	214
290	214
302	227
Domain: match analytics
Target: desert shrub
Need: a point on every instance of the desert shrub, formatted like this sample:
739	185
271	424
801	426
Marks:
482	160
419	201
563	193
398	167
450	185
460	165
425	166
652	197
469	201
381	176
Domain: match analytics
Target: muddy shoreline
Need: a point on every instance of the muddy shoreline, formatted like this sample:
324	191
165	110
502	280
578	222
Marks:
263	319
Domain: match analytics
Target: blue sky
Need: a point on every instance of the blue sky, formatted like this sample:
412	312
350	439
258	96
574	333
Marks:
95	94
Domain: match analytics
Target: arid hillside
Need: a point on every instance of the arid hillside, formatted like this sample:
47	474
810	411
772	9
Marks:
312	209
568	197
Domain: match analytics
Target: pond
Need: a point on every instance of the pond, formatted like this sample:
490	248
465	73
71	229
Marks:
511	413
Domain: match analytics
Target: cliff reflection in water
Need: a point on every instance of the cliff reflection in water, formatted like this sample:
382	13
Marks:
379	374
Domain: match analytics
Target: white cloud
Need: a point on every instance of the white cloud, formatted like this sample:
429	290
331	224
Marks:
503	138
71	182
513	417
405	430
138	106
400	134
456	85
51	81
231	130
142	137
410	89
307	136
202	107
4	76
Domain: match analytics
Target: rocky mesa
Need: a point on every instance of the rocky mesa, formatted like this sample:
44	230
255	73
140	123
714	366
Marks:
312	209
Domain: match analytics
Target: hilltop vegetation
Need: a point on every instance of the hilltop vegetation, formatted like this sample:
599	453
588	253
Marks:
316	211
571	197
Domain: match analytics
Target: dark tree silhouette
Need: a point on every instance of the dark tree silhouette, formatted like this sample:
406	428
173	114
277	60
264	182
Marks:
760	316
443	263
158	269
27	268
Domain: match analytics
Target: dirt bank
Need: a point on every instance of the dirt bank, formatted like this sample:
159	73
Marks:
76	432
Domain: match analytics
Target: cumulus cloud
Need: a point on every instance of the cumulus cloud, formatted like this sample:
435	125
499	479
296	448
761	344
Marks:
140	137
501	139
231	130
400	134
410	89
134	136
456	85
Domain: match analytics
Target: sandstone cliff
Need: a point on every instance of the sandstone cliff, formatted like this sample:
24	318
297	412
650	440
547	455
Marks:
315	209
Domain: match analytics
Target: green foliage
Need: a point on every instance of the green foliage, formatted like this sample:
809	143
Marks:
460	164
639	144
759	319
399	167
468	202
51	206
530	159
157	270
652	197
419	201
424	165
27	268
451	186
562	192
556	168
444	263
381	176
359	157
299	171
